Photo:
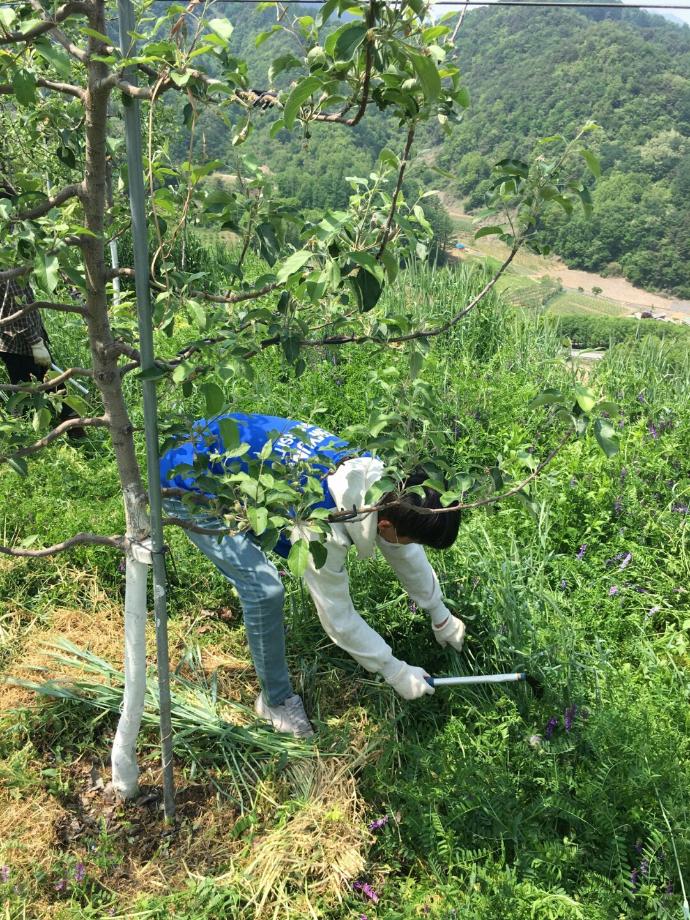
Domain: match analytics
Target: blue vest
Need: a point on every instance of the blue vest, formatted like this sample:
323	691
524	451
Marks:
206	439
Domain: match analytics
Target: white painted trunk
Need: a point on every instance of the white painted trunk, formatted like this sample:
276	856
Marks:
124	754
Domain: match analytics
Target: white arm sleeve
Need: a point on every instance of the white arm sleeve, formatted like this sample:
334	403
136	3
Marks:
409	562
330	589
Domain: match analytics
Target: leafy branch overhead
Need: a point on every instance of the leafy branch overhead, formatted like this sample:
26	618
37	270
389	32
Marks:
297	282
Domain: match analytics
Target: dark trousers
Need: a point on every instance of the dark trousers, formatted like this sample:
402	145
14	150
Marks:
21	368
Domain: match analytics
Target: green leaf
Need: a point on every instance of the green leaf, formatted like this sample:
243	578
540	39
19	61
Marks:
488	231
367	261
293	264
266	450
221	27
319	553
19	466
547	397
297	97
24	84
348	38
46	267
298	558
7	17
366	288
152	373
258	518
606	436
427	74
214	396
230	434
592	162
92	33
80	406
56	57
585	398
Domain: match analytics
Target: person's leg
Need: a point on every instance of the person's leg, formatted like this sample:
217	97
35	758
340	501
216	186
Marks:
262	597
20	368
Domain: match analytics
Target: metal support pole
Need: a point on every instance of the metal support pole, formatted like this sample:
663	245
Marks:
144	316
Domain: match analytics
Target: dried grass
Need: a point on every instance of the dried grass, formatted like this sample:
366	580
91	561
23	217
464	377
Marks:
27	830
316	849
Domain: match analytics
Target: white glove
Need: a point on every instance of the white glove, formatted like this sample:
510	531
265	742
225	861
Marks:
409	682
40	353
451	633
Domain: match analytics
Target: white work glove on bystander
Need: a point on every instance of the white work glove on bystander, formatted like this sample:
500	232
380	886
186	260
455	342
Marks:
40	353
409	682
452	633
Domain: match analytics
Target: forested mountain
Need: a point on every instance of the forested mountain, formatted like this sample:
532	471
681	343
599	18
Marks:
533	73
530	73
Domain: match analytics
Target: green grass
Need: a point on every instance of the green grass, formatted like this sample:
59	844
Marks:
495	807
571	303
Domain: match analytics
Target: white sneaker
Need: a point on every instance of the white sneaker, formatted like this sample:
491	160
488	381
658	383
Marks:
288	717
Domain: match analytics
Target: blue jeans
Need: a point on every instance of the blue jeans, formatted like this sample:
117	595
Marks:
242	561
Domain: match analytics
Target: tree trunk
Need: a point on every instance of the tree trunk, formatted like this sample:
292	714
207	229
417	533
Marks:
106	374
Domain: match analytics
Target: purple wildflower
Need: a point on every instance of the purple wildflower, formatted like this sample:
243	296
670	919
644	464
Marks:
61	885
4	874
651	428
613	590
564	584
412	607
634	875
639	846
550	727
624	473
680	509
625	562
79	872
669	888
581	552
569	717
122	567
618	507
378	823
573	482
366	889
644	867
652	610
640	397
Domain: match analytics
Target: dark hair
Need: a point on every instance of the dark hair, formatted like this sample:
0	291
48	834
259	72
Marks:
413	517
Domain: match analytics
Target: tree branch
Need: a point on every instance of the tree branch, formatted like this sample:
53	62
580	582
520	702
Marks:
98	421
337	516
195	528
48	385
7	89
67	9
79	539
411	336
69	191
44	305
396	193
9	273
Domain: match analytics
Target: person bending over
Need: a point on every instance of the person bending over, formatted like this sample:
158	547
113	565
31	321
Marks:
399	531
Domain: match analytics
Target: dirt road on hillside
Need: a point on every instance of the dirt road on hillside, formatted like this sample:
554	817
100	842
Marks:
633	299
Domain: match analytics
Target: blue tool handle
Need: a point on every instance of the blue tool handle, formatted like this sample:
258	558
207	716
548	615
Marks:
429	680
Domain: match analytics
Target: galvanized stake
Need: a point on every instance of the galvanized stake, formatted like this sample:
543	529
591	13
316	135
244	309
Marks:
144	317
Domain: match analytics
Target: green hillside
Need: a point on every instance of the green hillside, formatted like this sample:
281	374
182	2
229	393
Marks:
536	73
531	73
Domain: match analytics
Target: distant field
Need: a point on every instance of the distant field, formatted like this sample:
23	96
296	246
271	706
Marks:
570	303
